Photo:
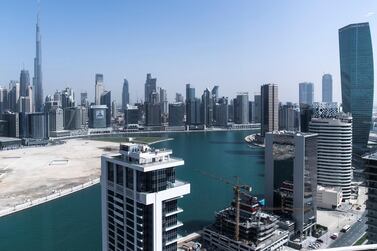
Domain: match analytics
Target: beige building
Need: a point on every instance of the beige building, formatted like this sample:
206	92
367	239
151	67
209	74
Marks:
329	197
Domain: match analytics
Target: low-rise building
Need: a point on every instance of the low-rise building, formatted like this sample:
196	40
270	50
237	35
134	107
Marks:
329	197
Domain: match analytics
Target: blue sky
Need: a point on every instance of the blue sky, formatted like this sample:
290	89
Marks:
238	45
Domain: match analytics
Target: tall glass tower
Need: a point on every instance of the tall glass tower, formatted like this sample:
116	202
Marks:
125	95
356	67
37	80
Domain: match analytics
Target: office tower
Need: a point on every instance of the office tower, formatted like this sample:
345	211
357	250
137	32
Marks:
152	114
67	98
72	118
84	99
131	117
176	114
215	93
37	80
289	117
150	87
306	93
84	112
207	108
4	103
125	94
114	112
306	113
106	100
370	171
13	120
179	98
99	88
291	183
55	120
190	93
251	111
269	108
140	195
25	104
97	116
24	82
334	131
221	112
357	80
38	125
241	108
164	101
14	96
257	116
327	88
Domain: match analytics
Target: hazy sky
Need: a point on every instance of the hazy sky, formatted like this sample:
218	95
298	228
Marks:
238	45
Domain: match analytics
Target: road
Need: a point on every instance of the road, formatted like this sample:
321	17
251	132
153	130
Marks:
352	235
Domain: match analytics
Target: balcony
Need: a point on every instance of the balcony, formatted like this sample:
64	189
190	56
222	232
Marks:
176	211
176	239
177	225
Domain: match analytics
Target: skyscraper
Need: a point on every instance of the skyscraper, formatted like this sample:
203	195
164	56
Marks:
37	80
289	117
370	172
84	99
140	195
24	82
327	88
269	108
306	93
125	95
291	183
241	108
99	88
257	108
334	131
150	87
106	100
357	80
207	108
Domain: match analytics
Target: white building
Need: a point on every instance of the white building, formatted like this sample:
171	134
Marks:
334	131
139	199
329	197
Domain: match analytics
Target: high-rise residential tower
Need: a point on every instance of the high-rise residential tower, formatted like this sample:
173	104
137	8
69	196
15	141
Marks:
99	88
125	95
269	108
306	93
106	100
140	195
37	80
357	81
334	131
150	87
327	88
241	108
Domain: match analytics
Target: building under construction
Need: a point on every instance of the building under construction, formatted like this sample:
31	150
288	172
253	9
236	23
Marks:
243	226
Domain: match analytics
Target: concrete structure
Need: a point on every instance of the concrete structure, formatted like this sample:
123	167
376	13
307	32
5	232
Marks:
139	199
334	147
370	171
329	197
241	108
306	93
327	88
357	81
176	114
97	116
269	108
125	94
291	183
99	88
8	142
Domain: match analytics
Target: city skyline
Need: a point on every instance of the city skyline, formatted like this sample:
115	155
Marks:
169	61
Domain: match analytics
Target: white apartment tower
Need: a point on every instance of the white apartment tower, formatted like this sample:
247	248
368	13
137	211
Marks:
139	199
334	131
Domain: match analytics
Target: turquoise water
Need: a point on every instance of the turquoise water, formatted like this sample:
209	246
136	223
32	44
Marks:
74	222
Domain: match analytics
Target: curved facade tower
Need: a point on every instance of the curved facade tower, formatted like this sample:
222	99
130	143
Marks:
334	164
357	80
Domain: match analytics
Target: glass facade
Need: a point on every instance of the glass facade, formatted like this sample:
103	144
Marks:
356	66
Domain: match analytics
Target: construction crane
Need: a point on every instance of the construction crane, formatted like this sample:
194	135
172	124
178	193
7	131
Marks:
238	189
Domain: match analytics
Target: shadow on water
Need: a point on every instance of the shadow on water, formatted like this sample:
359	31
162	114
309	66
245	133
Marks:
245	152
219	142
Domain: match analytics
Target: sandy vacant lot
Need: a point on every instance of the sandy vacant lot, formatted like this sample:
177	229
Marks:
31	173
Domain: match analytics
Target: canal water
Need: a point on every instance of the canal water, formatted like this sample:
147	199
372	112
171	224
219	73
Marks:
74	222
